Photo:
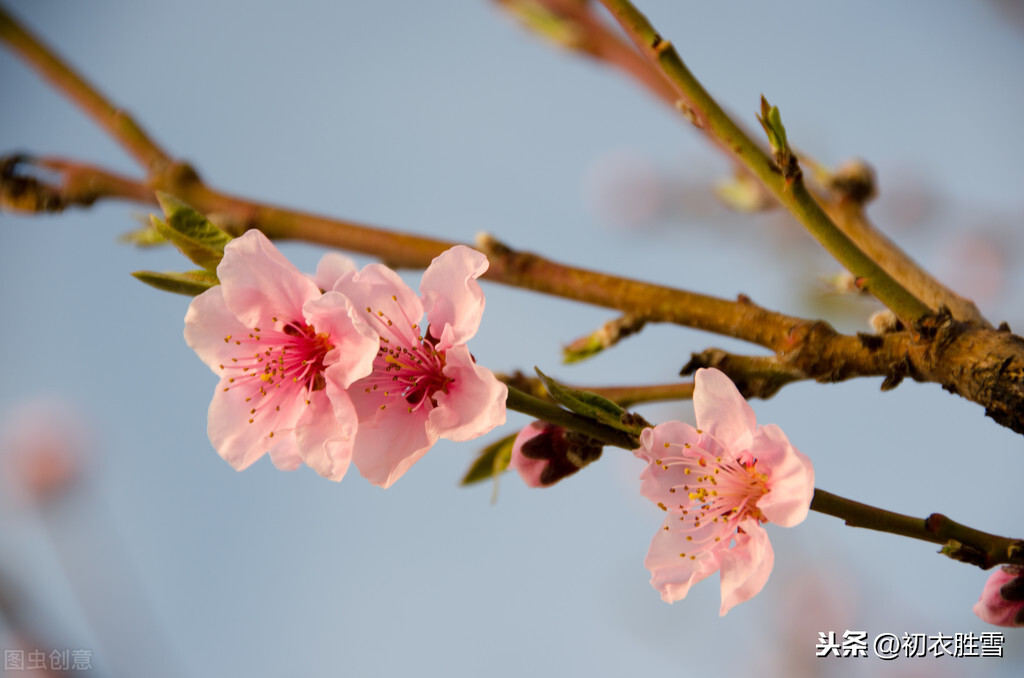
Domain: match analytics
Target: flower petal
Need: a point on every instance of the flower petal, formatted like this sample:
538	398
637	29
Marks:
674	567
388	445
332	266
451	295
746	566
658	482
207	323
790	477
474	403
326	432
285	454
529	470
384	302
355	345
239	442
259	283
721	410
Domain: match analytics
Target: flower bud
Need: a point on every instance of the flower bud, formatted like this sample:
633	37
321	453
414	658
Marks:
1002	599
545	453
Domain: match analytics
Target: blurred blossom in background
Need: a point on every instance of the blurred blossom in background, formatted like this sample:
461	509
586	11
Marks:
448	119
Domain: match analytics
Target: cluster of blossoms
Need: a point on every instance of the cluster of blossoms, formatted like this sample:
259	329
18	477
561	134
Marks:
335	368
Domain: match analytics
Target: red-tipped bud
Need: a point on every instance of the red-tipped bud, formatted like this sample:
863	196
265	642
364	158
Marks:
544	453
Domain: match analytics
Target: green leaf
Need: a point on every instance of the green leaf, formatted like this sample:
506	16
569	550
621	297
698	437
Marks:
492	461
145	236
189	283
585	403
771	121
584	348
192	233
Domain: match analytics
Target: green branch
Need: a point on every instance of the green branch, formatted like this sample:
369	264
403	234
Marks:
783	182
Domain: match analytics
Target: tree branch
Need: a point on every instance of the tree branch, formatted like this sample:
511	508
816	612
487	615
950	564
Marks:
959	541
116	121
785	183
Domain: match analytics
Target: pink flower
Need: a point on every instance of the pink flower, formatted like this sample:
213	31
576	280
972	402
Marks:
1002	599
285	354
545	453
425	384
718	483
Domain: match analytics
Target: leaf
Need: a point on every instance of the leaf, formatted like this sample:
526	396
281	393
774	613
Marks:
771	121
190	283
492	461
145	236
585	403
192	233
583	348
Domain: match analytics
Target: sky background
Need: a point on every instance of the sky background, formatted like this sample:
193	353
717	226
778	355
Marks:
448	119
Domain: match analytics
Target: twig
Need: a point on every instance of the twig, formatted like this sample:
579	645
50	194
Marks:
960	542
117	122
625	396
850	217
548	411
787	187
986	366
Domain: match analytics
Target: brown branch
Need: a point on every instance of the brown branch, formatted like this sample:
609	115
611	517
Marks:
959	542
983	365
851	219
597	41
740	319
116	121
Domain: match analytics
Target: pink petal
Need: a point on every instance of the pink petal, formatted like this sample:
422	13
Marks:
332	267
475	402
285	454
207	323
993	608
721	410
387	446
657	482
673	574
259	283
235	439
326	433
386	295
746	566
790	477
528	469
355	345
451	295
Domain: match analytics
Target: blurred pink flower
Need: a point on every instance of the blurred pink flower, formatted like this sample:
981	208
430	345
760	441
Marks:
46	443
1002	599
285	354
425	384
718	483
544	453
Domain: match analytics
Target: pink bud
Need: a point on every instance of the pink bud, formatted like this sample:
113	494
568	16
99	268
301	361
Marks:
544	453
1002	599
